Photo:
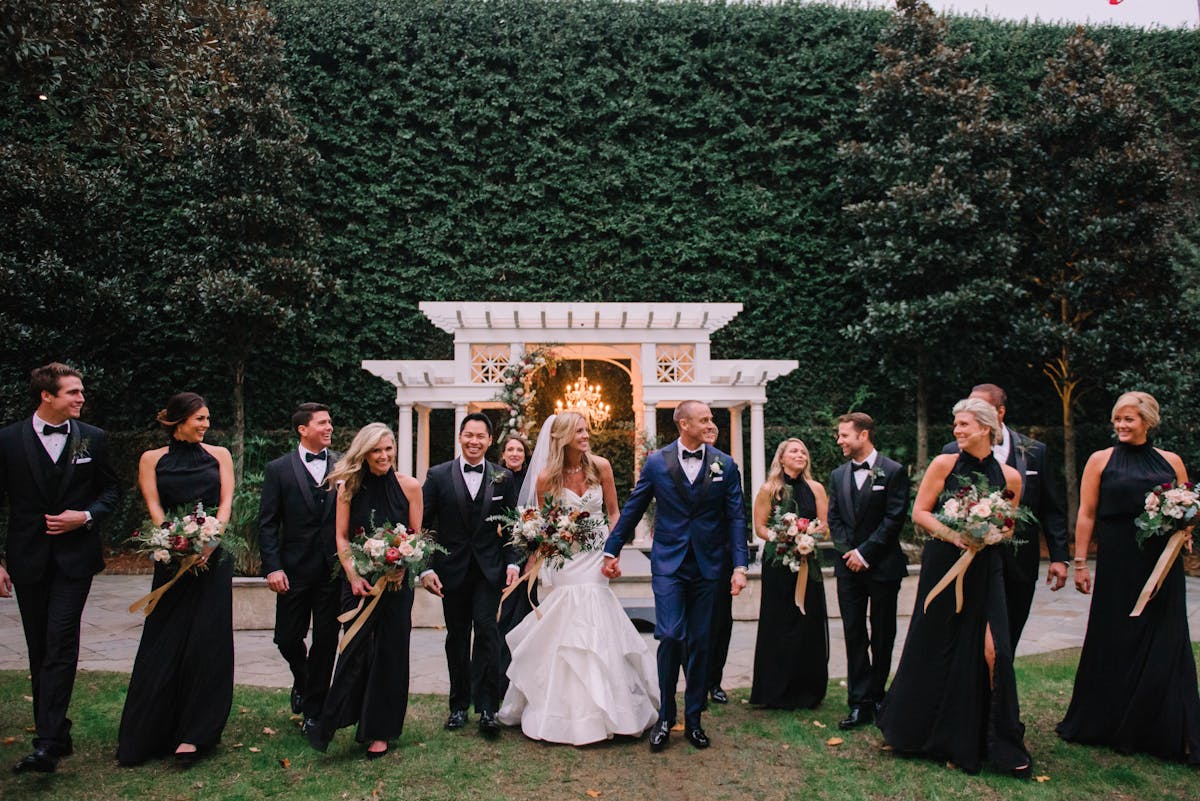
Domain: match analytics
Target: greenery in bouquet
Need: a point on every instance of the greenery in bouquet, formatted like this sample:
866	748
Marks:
389	548
1169	507
981	514
183	534
791	539
554	532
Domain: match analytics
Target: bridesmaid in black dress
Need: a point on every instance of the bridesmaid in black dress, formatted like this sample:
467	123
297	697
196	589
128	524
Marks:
181	689
1135	690
514	455
954	696
791	654
370	682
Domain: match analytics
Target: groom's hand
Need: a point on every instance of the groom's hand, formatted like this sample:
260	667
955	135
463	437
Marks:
432	583
611	567
738	582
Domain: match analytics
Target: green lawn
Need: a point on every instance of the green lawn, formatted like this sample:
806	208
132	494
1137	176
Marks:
756	755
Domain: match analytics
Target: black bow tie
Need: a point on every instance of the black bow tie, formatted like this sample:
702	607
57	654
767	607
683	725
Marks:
473	468
48	429
314	457
693	454
862	466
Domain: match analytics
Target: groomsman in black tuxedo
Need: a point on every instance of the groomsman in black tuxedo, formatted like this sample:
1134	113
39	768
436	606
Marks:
1038	494
55	471
460	496
295	531
868	504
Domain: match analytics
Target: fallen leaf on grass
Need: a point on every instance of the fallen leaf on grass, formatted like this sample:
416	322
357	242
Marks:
243	711
267	730
9	740
28	698
593	793
296	718
818	724
198	785
285	762
238	745
677	727
254	750
786	746
745	701
834	741
31	729
1041	779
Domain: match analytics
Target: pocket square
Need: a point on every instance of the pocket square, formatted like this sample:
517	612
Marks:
82	460
1031	472
497	498
717	478
877	488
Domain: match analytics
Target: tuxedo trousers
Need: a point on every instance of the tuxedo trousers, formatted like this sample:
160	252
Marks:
50	613
868	656
473	642
1020	599
318	602
683	603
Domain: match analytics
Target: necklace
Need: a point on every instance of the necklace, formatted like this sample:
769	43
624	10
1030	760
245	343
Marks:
570	471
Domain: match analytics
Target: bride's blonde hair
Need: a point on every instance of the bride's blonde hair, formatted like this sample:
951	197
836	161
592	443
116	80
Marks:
562	432
350	467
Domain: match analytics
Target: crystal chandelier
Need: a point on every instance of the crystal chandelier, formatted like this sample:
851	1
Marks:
585	398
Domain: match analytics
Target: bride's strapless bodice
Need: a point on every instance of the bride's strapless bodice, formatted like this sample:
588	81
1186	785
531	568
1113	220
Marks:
583	568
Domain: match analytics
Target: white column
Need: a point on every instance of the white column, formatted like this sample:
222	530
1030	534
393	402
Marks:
460	414
735	437
642	536
758	457
404	443
422	442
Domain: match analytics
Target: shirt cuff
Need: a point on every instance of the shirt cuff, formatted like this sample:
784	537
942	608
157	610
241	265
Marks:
514	567
424	574
858	553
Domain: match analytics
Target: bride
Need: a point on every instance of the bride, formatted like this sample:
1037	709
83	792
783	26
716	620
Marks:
580	672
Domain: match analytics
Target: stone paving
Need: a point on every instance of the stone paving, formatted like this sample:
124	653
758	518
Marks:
110	636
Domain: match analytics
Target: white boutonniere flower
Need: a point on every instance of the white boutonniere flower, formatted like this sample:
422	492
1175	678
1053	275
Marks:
499	476
877	472
81	451
715	468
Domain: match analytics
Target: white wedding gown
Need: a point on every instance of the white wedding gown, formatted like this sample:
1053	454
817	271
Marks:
581	673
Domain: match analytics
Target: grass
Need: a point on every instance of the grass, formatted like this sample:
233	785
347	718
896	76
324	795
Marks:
757	755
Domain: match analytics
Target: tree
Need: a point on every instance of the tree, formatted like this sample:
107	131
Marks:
931	200
241	265
1096	181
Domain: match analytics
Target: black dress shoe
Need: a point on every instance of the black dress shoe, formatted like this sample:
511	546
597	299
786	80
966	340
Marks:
859	716
297	701
660	736
40	761
698	738
488	725
457	719
718	696
309	726
1024	774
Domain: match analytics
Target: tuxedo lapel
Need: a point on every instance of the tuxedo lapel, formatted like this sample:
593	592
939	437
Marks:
488	487
303	477
671	457
847	491
67	460
32	444
1016	458
460	494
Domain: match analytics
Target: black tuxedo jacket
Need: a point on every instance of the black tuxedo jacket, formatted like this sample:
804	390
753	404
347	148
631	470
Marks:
875	528
1039	493
448	511
88	484
295	533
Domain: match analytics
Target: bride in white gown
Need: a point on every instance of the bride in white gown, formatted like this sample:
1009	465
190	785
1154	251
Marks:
580	672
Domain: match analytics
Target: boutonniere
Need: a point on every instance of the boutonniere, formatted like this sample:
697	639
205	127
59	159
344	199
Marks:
715	468
877	472
80	451
499	476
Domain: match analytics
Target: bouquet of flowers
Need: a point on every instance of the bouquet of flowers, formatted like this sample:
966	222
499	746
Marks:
1170	510
178	537
552	533
387	549
791	539
981	516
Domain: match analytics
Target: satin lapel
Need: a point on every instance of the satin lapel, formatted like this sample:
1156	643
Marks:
670	456
302	478
488	487
1016	458
32	443
68	455
706	474
847	489
460	493
331	459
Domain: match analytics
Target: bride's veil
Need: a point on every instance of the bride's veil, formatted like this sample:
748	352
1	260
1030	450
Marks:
537	463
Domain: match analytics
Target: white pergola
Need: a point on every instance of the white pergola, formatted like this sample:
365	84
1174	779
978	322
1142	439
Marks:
666	346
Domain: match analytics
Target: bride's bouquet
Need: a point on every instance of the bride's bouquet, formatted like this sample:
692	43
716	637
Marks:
981	516
386	550
1170	510
791	539
181	540
552	533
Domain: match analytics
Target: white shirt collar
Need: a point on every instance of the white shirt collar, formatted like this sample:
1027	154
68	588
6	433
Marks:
872	457
39	422
304	450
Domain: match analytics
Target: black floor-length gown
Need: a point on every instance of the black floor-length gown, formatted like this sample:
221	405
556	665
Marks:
791	652
1135	689
370	681
940	704
181	689
515	607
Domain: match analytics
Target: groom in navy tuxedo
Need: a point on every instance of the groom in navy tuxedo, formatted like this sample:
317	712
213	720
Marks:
699	521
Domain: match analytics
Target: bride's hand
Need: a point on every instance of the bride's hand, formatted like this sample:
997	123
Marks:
512	575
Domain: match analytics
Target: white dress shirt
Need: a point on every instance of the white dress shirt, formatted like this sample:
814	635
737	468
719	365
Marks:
860	477
317	467
53	443
1001	449
691	467
473	479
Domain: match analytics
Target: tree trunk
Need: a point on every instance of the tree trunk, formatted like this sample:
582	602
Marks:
1070	470
922	411
239	420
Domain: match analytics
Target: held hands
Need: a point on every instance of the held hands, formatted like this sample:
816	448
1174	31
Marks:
278	581
511	575
1056	576
432	583
611	568
64	522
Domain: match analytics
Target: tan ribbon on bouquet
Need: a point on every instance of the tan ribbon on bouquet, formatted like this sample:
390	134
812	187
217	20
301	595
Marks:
375	594
150	600
530	575
1159	574
801	584
955	574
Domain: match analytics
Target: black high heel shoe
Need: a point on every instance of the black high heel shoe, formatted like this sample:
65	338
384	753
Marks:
1023	773
372	755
